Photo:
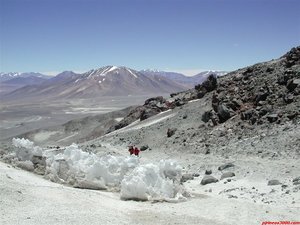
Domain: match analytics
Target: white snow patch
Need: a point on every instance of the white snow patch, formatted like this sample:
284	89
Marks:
140	124
74	166
119	119
44	135
91	74
104	72
150	182
112	69
22	143
68	137
109	69
150	122
131	73
25	149
195	100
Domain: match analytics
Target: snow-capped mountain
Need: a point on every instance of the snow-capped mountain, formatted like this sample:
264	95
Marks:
12	81
8	76
170	75
105	81
189	81
12	75
200	77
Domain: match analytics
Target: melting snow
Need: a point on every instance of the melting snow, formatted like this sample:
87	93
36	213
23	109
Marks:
87	170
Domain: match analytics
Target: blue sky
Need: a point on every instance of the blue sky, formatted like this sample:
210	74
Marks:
181	35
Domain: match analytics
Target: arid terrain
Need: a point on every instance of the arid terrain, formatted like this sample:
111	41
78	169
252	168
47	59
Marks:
224	152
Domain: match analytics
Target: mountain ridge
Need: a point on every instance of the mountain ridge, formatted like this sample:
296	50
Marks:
104	81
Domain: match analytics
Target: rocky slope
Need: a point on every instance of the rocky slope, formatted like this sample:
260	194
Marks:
260	94
236	136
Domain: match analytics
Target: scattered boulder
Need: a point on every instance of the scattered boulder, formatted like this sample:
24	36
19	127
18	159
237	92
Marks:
273	182
26	165
292	57
224	113
87	184
227	174
292	115
250	114
210	115
296	181
289	98
171	132
207	151
292	84
208	85
144	147
282	80
208	179
208	172
178	102
261	96
38	160
225	166
211	83
149	112
206	116
186	177
272	117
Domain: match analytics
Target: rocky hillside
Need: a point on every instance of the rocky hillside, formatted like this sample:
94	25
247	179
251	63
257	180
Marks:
259	104
263	92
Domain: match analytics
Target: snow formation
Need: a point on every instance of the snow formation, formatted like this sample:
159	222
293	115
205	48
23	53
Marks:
125	174
25	149
150	182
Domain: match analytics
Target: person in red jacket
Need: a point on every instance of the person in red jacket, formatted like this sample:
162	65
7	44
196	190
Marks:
131	150
136	151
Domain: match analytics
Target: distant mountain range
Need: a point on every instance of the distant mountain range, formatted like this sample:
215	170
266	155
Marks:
105	81
191	81
12	81
13	75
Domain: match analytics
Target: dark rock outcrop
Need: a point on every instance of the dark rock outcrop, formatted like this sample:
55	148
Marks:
171	132
227	174
152	107
225	166
259	92
273	182
208	179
